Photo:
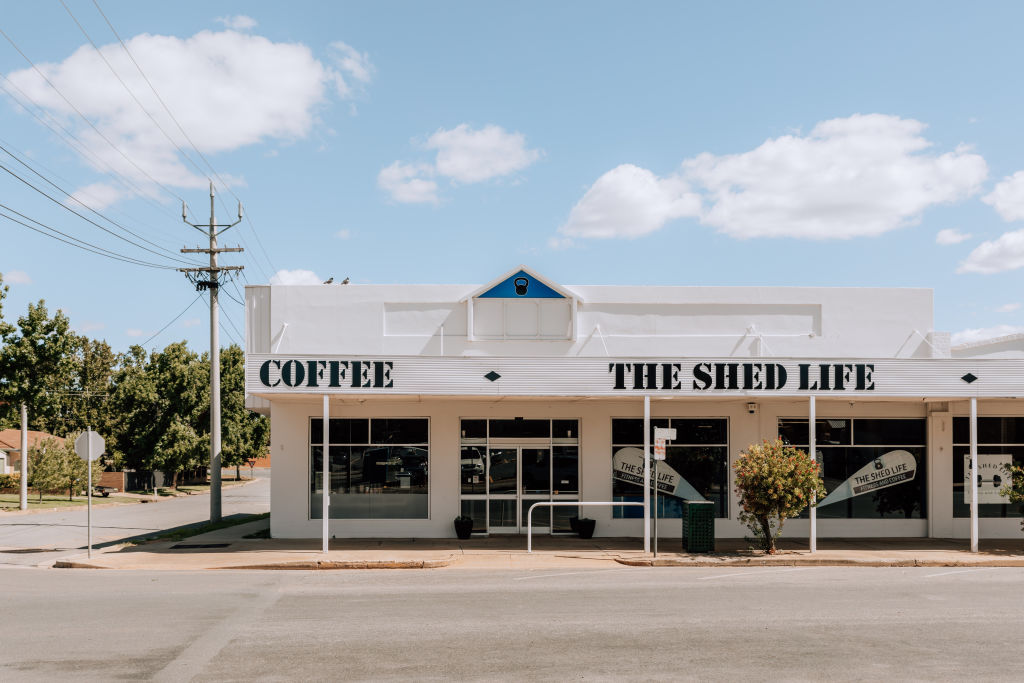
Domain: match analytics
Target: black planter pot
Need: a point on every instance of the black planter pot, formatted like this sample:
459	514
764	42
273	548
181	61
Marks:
585	527
574	524
463	528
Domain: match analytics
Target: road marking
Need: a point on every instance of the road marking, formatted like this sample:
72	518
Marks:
957	571
752	573
592	571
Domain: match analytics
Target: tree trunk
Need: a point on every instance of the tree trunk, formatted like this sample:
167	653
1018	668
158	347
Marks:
174	480
769	539
238	472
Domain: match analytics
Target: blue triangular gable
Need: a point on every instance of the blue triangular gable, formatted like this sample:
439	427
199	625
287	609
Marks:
521	285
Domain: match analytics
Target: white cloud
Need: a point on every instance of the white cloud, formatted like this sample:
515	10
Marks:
995	256
629	201
464	155
134	332
191	322
1007	308
96	196
951	236
352	62
295	277
16	277
89	327
472	156
984	333
852	177
238	22
227	89
1008	197
343	234
408	183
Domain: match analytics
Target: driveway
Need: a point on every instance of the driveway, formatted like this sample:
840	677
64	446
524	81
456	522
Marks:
27	540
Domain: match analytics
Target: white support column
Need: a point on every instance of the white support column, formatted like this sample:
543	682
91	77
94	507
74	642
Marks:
326	485
647	474
813	441
23	484
974	475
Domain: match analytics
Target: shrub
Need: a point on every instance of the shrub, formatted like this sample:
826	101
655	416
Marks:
1015	489
774	482
10	481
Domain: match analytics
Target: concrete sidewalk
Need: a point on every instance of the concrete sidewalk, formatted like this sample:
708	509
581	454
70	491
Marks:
228	549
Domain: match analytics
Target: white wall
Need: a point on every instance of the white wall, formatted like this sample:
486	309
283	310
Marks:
290	481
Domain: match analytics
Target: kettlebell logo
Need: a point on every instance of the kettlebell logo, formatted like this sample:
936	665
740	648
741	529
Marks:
879	464
521	284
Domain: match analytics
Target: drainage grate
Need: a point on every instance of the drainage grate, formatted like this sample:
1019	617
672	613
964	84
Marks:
190	546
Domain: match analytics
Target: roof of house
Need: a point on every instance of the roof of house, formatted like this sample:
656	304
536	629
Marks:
10	439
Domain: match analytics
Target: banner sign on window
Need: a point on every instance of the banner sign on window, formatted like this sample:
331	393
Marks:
628	466
888	469
992	477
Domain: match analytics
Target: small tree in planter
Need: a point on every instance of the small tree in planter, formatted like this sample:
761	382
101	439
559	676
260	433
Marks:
1015	489
774	482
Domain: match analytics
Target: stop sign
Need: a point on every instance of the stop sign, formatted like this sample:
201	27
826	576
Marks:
86	440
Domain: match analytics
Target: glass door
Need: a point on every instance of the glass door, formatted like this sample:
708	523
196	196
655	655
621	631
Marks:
534	487
503	489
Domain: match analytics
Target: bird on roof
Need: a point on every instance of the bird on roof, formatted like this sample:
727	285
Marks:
345	281
329	280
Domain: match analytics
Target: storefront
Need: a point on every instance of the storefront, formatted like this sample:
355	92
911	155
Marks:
445	400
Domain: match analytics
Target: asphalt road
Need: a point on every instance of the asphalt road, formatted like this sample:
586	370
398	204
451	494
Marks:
618	624
29	539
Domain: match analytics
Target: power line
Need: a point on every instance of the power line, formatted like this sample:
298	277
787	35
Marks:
75	242
78	145
86	207
157	334
88	220
181	129
84	118
127	89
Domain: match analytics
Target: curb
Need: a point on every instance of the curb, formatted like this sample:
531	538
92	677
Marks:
816	562
291	565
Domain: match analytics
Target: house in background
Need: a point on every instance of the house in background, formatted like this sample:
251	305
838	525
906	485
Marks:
10	445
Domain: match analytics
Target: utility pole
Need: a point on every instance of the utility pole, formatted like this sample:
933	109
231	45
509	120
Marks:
212	283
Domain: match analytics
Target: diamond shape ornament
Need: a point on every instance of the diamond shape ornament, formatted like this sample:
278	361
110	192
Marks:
492	375
969	378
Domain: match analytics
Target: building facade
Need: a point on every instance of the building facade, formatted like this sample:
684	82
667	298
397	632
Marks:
449	400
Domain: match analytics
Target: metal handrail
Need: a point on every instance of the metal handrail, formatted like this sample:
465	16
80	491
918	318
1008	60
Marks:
529	515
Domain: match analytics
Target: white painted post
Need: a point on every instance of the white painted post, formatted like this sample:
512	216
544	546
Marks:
813	441
647	474
974	475
326	485
88	468
23	484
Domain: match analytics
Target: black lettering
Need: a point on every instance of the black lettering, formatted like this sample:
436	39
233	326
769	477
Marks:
265	372
865	381
701	373
356	372
316	371
805	378
337	372
726	375
752	376
378	374
620	374
645	376
388	367
823	372
293	373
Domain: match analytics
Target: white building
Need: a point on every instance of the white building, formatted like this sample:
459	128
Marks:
480	400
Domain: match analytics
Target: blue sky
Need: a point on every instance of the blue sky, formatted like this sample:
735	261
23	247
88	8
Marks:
808	144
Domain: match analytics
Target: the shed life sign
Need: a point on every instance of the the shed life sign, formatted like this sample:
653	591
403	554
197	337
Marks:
268	374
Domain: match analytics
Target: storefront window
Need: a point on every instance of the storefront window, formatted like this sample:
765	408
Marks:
697	460
378	468
1000	442
874	468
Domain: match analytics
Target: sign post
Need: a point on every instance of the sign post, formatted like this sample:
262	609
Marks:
661	435
89	445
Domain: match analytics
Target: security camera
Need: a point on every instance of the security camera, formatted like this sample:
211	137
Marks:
752	408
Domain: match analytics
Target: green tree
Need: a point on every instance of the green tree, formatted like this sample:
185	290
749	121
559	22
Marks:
245	435
774	482
180	448
150	394
36	367
1015	489
82	404
55	466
